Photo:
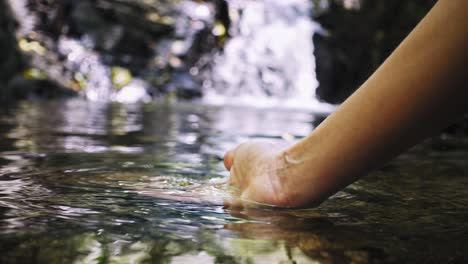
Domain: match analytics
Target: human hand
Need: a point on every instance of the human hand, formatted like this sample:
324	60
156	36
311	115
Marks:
255	169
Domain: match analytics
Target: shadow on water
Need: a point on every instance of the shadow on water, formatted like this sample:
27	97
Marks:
78	183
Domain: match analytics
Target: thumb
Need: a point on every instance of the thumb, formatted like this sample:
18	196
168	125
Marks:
229	159
237	201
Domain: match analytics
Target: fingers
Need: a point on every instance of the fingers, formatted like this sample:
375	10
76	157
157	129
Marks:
229	159
238	201
233	203
232	176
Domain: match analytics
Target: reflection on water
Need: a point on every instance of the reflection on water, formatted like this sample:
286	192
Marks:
88	183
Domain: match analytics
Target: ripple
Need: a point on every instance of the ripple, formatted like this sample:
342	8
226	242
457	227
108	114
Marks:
106	181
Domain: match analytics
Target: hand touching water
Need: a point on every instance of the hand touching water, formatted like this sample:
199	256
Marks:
419	90
255	169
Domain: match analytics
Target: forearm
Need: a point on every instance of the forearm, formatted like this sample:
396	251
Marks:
419	89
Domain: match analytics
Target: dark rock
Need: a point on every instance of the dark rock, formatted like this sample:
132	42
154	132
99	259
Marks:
185	86
11	62
358	39
152	39
21	88
118	27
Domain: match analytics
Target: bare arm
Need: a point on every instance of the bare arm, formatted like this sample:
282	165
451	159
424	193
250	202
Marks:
417	91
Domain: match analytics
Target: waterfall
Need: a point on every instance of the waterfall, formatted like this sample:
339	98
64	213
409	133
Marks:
269	60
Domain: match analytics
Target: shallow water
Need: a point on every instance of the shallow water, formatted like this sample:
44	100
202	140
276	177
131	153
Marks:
82	182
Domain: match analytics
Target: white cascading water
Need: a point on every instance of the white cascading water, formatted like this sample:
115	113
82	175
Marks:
269	60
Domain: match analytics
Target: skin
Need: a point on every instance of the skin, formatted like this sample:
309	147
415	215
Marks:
419	90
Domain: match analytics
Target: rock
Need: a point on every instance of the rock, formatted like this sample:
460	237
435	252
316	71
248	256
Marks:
150	39
119	27
185	85
358	39
23	88
11	62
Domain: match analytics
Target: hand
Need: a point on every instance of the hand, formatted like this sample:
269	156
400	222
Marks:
255	169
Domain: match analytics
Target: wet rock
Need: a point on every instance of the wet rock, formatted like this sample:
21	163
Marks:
82	41
119	27
23	88
185	85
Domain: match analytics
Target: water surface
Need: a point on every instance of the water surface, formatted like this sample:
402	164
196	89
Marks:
77	185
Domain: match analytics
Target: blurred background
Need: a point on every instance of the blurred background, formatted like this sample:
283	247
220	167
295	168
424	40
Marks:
115	116
298	51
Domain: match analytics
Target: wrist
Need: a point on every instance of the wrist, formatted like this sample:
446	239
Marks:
294	179
305	172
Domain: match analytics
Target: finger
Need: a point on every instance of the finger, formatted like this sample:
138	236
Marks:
229	159
232	176
237	201
237	178
233	203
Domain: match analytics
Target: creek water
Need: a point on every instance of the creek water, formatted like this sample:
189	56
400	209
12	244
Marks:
89	182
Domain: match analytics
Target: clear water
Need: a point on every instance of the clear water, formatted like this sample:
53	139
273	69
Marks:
84	182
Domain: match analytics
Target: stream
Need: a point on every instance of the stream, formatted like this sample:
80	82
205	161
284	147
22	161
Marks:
81	182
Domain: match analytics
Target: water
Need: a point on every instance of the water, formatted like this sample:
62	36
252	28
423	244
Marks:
84	182
269	61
